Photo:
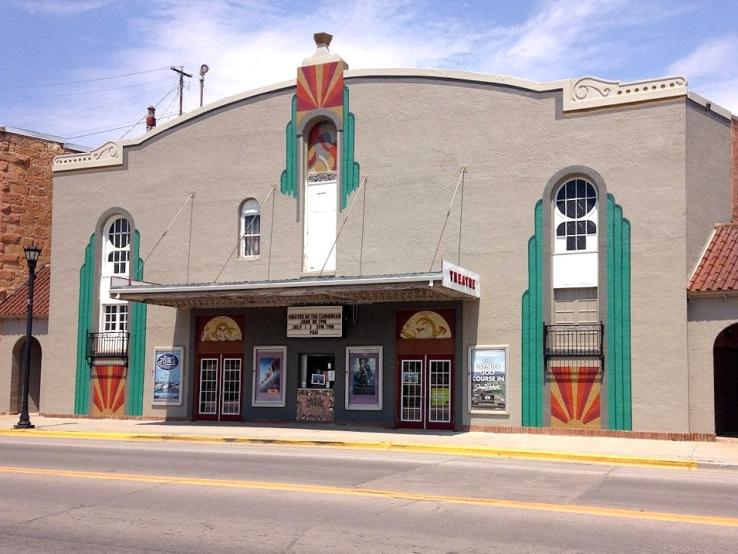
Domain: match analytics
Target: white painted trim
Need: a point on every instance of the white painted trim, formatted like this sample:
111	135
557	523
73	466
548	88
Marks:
578	94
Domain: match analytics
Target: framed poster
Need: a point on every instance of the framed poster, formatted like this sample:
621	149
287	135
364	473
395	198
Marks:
487	378
363	377
168	364
269	376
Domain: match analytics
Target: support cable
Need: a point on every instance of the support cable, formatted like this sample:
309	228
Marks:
448	213
340	230
241	236
189	239
363	222
146	259
461	216
271	239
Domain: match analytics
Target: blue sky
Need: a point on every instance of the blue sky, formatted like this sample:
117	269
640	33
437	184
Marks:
85	70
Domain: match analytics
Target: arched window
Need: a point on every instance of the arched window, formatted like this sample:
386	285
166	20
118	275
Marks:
116	247
322	148
575	217
250	229
116	255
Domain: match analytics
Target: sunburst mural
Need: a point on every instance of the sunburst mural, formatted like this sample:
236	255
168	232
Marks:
320	87
108	390
575	397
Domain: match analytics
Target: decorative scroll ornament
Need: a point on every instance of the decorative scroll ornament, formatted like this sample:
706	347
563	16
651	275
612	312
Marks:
221	329
426	325
322	177
107	155
592	92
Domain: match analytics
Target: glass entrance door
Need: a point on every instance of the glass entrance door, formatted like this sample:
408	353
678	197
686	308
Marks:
219	388
425	392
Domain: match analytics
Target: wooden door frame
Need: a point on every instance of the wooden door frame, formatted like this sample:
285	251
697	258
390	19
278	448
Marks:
218	415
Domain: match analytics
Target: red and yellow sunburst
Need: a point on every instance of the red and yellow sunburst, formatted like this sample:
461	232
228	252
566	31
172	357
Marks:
575	397
108	390
320	87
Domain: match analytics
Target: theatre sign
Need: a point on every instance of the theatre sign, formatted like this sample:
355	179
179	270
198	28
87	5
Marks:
315	321
460	279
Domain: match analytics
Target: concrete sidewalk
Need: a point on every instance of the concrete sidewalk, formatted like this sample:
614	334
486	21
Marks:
660	453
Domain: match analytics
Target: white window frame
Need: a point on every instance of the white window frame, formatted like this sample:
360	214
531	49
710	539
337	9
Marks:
114	318
250	241
560	218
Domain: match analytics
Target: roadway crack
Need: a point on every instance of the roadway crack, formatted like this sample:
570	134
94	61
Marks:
602	478
77	507
300	534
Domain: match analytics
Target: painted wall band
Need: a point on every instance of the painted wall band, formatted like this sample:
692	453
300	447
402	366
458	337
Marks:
618	359
137	345
84	317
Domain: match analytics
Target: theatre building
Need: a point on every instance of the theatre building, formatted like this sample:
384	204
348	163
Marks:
399	248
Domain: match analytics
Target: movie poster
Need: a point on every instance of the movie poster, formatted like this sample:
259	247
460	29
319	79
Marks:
269	375
364	378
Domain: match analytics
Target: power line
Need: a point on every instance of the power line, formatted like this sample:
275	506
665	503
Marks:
121	76
96	91
144	116
134	100
98	130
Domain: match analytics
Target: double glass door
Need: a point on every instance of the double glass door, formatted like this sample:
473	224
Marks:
425	392
219	388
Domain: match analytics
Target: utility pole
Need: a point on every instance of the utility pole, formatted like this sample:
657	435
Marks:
182	75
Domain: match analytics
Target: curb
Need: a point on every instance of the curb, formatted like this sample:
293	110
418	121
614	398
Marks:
472	451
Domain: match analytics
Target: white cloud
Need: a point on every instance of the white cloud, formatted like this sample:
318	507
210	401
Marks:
254	43
60	7
711	70
713	58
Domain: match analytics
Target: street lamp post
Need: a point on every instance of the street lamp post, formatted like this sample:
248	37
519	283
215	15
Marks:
32	254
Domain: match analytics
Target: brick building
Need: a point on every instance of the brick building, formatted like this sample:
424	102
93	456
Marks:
25	217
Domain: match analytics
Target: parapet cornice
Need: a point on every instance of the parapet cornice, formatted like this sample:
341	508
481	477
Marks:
584	93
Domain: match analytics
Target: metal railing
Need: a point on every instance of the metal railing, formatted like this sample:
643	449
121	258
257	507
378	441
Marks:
573	339
109	344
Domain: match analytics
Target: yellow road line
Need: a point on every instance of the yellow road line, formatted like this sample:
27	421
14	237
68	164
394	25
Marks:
453	450
379	493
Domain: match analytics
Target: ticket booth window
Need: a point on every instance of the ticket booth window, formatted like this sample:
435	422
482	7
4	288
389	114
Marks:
318	371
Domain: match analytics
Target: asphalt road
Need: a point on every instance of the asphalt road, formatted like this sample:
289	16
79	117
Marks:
97	496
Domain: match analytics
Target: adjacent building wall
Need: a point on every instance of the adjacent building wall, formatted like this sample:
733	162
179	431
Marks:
511	143
25	202
708	316
11	332
708	178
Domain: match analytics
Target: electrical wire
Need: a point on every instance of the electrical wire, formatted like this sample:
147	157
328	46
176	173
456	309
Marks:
97	91
144	116
134	100
121	76
100	130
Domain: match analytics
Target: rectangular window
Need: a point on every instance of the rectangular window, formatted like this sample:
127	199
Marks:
115	318
251	236
576	305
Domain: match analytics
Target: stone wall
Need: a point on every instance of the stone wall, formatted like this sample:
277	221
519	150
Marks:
25	202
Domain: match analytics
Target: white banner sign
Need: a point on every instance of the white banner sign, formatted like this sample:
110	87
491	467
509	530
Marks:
460	279
315	321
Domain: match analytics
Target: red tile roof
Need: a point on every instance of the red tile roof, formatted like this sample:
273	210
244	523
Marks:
717	271
15	304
